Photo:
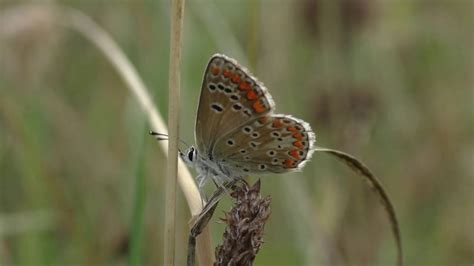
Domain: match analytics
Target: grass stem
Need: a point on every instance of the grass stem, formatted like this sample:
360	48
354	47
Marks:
177	14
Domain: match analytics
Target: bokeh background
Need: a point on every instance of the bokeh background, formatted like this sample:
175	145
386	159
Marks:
390	81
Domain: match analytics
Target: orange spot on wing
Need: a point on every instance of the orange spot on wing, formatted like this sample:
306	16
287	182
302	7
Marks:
236	78
295	154
251	95
227	73
298	144
258	107
215	70
289	163
298	136
244	86
277	123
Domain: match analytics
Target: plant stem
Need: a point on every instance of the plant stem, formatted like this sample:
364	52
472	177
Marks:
177	13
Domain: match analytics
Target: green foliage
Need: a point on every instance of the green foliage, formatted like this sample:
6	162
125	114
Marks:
389	81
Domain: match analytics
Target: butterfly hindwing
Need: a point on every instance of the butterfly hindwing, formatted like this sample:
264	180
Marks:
230	97
273	143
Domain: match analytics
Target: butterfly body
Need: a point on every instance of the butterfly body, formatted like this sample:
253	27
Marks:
237	133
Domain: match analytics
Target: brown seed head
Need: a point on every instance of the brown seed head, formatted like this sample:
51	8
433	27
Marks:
243	236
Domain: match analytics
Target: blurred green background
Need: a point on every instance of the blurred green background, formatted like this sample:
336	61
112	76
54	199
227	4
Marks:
390	81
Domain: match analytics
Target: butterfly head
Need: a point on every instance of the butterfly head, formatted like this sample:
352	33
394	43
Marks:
190	155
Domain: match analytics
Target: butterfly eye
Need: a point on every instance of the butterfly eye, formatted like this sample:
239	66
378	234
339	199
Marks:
191	154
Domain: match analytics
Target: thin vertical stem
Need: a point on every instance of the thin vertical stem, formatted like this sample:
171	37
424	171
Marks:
177	13
100	39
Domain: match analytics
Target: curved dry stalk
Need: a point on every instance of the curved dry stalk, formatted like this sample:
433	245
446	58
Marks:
91	31
377	188
83	24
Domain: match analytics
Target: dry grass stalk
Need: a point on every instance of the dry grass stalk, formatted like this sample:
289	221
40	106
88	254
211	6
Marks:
177	13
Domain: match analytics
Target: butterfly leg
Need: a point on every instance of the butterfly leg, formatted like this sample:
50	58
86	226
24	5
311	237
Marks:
242	181
221	183
202	180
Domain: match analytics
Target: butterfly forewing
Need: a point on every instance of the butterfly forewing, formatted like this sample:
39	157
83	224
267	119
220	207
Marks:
230	97
273	143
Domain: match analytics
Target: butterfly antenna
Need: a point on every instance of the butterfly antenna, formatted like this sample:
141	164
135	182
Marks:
159	136
162	136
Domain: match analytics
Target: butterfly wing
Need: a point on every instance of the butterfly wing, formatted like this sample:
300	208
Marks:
230	97
273	143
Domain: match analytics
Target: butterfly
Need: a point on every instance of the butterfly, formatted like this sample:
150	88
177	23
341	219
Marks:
237	132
